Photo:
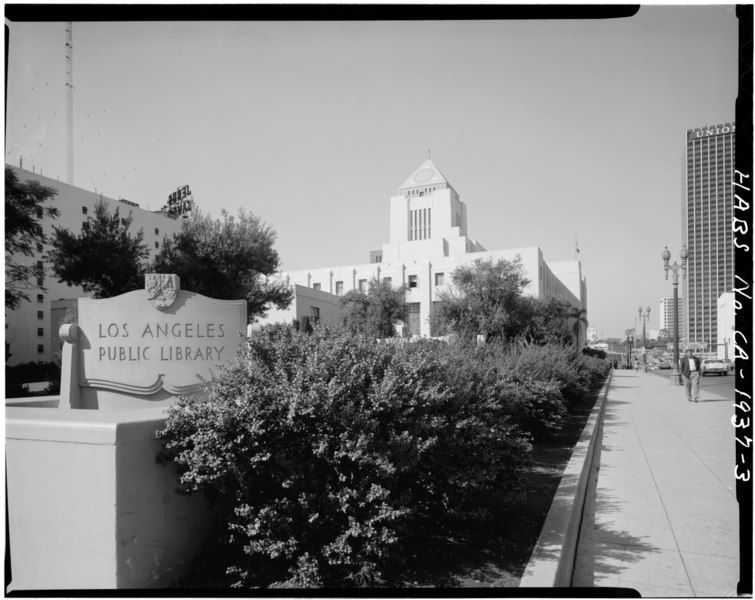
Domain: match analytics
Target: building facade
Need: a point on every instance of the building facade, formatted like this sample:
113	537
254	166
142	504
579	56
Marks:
707	207
666	314
427	241
726	327
31	331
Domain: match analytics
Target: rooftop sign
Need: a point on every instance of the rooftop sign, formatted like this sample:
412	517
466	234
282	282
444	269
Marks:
710	131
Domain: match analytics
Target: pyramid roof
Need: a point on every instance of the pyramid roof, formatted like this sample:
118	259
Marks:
426	174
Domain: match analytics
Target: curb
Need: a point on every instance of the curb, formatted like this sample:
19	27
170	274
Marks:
552	561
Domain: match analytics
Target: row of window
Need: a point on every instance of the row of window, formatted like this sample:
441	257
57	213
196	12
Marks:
85	210
423	191
412	281
420	224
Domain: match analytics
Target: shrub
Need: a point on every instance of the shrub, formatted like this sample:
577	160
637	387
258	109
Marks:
324	452
574	373
536	406
18	375
594	352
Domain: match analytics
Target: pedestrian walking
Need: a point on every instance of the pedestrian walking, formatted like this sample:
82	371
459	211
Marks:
690	368
636	365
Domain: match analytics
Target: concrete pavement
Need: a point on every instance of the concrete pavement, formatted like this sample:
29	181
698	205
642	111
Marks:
661	514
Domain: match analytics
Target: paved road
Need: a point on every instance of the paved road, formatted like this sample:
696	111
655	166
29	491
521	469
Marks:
717	385
662	515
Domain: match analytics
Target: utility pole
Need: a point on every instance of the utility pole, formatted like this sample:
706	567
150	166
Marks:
69	100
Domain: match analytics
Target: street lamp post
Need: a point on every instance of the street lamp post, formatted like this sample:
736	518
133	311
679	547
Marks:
676	376
644	316
630	339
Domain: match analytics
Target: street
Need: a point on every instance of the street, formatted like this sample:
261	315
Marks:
720	385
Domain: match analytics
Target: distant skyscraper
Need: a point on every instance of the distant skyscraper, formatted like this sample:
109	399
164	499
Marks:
666	314
707	200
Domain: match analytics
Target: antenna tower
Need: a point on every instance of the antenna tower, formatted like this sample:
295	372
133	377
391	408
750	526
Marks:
69	100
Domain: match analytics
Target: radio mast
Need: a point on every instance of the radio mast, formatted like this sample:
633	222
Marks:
69	100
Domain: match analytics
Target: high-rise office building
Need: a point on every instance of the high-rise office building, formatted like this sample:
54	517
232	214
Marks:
707	201
666	314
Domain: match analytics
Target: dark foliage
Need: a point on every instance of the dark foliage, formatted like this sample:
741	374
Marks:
227	258
325	452
18	375
104	259
24	210
487	299
594	352
375	313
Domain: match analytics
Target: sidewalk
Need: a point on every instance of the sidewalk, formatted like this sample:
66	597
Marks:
661	514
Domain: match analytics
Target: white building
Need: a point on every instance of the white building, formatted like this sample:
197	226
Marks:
31	330
427	240
666	314
726	326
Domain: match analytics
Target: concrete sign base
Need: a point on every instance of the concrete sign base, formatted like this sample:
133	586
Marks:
89	507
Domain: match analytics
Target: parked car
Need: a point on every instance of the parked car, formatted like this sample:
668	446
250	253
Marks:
664	364
714	365
729	364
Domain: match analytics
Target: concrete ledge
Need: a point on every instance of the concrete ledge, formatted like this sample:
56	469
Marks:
552	561
88	505
35	401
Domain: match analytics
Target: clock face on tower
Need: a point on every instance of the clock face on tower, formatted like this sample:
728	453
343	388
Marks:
423	175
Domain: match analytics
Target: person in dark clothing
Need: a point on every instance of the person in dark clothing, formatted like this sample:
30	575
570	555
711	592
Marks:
690	368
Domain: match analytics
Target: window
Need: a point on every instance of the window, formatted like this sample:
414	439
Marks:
339	288
157	231
40	297
39	247
316	286
124	222
414	318
40	281
314	315
388	280
40	331
40	348
439	279
40	315
363	286
412	281
157	244
40	213
84	210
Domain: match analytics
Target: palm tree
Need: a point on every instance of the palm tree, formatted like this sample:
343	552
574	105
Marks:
580	317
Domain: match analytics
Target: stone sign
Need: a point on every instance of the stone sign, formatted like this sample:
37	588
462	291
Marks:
154	343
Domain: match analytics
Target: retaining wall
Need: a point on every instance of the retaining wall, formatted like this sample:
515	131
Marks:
552	561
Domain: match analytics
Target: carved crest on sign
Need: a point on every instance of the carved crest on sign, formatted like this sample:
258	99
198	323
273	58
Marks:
161	289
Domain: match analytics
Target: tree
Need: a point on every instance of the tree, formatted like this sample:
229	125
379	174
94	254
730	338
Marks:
577	316
226	258
544	322
375	313
104	259
24	209
487	299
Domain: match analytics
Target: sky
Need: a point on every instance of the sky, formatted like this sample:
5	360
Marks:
553	132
